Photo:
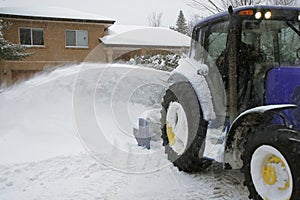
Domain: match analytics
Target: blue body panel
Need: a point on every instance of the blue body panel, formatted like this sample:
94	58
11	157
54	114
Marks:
283	87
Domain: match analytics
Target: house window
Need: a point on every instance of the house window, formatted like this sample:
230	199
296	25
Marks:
77	38
32	36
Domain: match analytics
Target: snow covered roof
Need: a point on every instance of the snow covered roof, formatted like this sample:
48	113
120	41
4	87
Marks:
53	13
123	35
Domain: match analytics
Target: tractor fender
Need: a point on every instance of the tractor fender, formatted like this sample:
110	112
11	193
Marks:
209	88
207	84
249	119
204	100
261	113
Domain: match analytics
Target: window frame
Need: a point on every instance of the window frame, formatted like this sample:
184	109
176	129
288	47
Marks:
31	37
201	37
76	32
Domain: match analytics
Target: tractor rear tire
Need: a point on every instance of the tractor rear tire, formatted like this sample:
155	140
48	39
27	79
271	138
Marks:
184	134
271	164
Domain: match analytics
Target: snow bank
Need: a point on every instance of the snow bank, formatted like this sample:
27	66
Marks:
40	152
36	118
44	116
112	100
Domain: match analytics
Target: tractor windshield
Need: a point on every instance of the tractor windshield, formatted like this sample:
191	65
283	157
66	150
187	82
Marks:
275	41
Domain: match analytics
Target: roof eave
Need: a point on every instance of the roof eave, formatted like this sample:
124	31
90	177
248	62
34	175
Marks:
108	22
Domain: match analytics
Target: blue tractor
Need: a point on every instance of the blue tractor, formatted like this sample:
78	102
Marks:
236	99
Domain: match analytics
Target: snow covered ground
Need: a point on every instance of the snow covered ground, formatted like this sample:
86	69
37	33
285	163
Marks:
67	134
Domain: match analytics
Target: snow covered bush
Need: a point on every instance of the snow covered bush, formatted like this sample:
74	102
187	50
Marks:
166	62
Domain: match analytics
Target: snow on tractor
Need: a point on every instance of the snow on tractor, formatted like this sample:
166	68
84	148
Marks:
236	99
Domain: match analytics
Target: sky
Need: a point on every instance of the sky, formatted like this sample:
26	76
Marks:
125	12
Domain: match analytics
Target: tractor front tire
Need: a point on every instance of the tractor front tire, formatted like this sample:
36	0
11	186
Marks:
271	164
183	128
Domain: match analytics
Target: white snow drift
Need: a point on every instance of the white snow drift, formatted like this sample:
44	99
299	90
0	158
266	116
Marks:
45	121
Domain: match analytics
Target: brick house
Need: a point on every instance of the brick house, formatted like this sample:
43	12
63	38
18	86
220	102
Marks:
55	36
60	36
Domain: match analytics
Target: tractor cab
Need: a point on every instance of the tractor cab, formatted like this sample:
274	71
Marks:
256	49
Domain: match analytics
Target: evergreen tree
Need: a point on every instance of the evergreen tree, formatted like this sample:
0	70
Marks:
181	24
8	50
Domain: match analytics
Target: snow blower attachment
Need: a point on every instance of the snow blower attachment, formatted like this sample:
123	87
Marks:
235	98
142	135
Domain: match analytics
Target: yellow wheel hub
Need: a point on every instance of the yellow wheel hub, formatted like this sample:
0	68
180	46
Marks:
269	175
170	134
269	172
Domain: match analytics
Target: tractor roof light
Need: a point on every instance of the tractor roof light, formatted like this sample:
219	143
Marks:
268	15
246	12
258	15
